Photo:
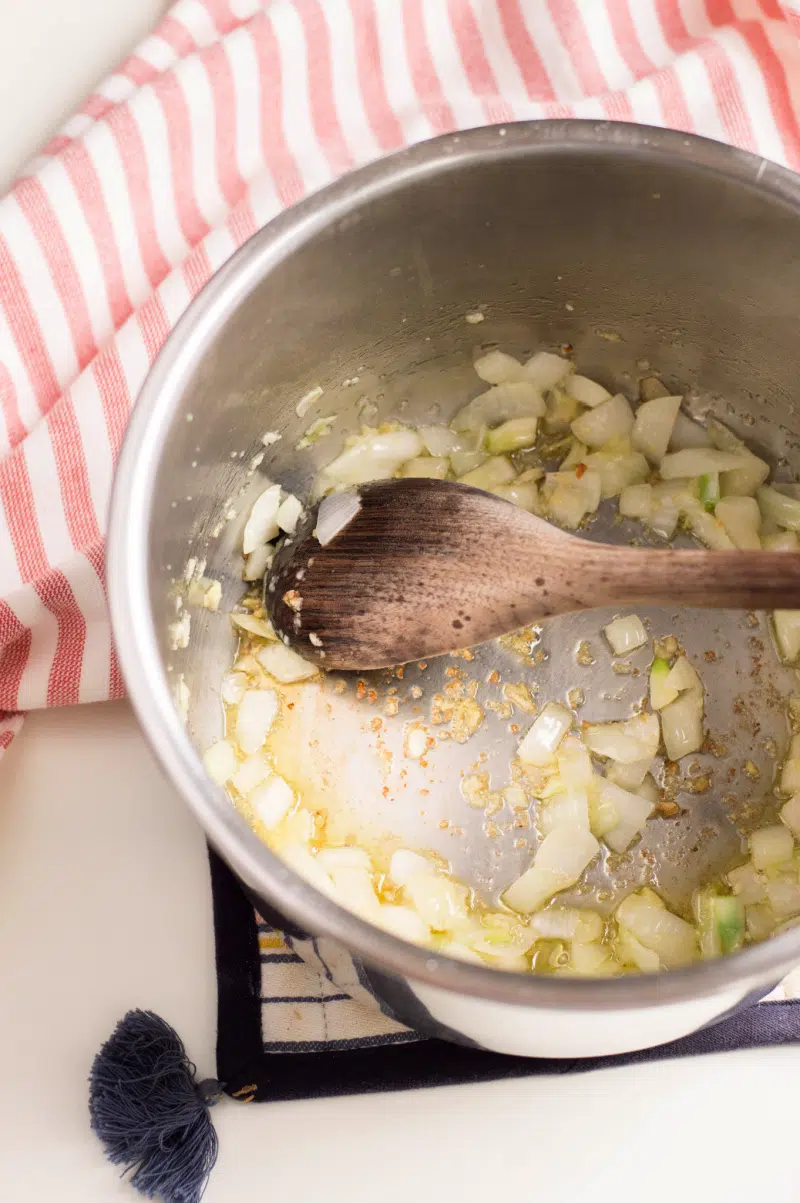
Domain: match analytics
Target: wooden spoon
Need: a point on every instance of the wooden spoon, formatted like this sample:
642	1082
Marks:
429	566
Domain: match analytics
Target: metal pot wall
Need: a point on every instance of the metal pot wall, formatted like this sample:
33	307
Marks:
628	243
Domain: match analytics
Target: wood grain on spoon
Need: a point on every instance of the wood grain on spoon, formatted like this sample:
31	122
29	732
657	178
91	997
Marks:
428	566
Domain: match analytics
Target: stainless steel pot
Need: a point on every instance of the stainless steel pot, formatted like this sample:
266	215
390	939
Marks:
630	244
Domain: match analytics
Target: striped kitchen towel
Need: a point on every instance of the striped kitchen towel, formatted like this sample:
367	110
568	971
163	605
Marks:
229	111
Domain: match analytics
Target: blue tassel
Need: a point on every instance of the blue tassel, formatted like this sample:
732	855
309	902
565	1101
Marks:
148	1111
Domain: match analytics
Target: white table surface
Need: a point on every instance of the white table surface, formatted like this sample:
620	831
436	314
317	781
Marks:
105	905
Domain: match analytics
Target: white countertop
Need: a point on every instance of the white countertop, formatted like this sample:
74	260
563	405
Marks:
105	905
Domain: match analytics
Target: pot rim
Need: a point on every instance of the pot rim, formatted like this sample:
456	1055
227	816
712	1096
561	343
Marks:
127	564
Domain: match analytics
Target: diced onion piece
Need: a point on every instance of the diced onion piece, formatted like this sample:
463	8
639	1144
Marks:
405	864
625	634
661	693
546	370
495	471
783	895
781	541
512	435
220	761
783	510
571	808
631	953
257	563
787	634
672	938
574	764
354	887
760	921
561	858
254	626
526	496
568	923
495	367
683	675
285	665
636	501
682	724
439	902
697	461
232	689
254	718
687	434
652	427
592	960
742	481
770	846
612	419
649	789
790	815
289	513
373	457
790	775
298	858
262	525
561	411
633	811
618	468
272	800
464	461
545	734
403	922
426	466
632	740
747	884
629	776
441	441
705	526
587	391
741	518
344	857
250	773
570	497
514	399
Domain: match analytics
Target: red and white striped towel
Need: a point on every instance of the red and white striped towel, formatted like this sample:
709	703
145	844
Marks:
229	111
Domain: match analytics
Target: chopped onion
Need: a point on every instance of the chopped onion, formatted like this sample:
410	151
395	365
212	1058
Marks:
251	772
545	734
562	857
495	471
354	886
289	514
220	761
742	481
285	665
587	392
770	846
403	922
546	370
697	461
633	811
790	775
612	419
636	501
515	399
373	457
568	923
787	634
577	454
783	510
653	425
790	815
571	808
661	693
629	776
441	441
232	688
272	800
344	857
781	541
705	526
686	434
525	496
426	466
256	713
574	764
747	884
672	938
262	525
496	367
513	435
570	497
592	960
783	895
439	902
618	468
631	952
682	676
634	739
334	514
682	724
405	864
257	563
561	411
625	634
464	461
741	518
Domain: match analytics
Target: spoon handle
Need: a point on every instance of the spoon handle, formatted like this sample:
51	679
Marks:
743	580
